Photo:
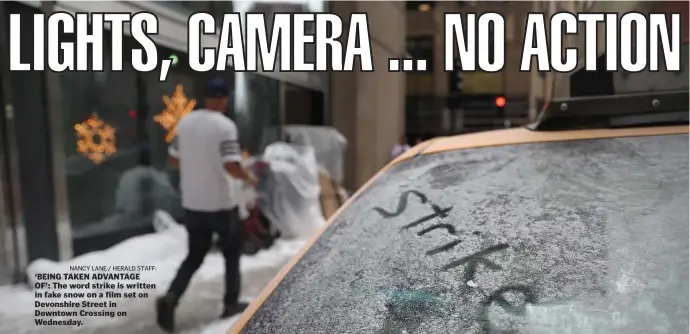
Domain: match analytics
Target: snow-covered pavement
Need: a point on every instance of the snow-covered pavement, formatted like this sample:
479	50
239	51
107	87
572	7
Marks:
199	309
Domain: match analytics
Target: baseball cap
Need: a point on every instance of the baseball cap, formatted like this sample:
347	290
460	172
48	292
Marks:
216	87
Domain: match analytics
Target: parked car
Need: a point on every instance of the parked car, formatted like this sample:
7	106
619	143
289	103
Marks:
576	224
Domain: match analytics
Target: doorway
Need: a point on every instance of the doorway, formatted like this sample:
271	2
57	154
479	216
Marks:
303	106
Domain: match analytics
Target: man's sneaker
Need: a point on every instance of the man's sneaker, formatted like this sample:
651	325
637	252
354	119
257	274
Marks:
233	309
165	309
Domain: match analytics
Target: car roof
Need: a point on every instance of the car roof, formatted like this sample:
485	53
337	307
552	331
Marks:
514	136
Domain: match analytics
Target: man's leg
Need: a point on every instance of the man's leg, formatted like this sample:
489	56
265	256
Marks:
229	228
200	233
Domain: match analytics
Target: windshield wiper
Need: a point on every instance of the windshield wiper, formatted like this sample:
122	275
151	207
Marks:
614	111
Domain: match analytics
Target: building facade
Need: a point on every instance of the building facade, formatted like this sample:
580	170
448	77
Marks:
441	103
83	154
368	107
555	85
425	27
438	98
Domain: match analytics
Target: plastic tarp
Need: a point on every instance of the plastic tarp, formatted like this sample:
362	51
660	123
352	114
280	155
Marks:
288	194
329	146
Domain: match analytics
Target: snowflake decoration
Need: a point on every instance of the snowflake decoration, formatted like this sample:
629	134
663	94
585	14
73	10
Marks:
175	108
95	139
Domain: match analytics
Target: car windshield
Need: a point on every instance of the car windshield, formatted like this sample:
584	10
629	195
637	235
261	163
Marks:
585	236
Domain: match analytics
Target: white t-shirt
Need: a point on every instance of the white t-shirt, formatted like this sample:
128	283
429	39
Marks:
205	140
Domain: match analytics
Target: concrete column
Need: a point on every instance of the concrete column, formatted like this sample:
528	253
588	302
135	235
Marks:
368	108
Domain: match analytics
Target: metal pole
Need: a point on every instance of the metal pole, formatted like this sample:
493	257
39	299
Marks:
549	82
18	250
534	79
55	112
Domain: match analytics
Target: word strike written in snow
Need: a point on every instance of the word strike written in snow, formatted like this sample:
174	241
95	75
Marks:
631	42
317	42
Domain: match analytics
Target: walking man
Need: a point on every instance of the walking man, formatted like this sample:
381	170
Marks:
207	152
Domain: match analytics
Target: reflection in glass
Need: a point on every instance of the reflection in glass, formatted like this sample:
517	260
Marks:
117	198
158	146
155	92
96	139
92	188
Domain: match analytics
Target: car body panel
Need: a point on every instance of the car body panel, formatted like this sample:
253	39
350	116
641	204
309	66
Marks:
524	136
485	139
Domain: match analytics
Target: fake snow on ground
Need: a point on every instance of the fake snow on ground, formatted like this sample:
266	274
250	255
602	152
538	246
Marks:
199	309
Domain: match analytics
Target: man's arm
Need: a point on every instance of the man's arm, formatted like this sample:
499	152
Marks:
174	154
231	154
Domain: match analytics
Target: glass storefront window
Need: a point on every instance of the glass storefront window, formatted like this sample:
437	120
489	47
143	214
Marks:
116	197
258	100
93	185
163	97
269	9
257	111
179	94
